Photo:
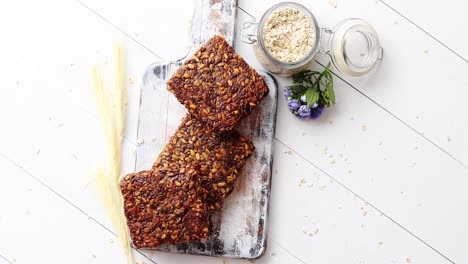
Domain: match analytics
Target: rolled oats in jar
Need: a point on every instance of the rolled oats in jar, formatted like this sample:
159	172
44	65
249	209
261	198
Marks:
286	38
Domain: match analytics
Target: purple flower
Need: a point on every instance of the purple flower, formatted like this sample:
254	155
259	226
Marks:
304	111
287	92
294	104
316	112
314	105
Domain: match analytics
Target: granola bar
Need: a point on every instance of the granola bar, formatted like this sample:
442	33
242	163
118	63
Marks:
217	86
165	206
218	158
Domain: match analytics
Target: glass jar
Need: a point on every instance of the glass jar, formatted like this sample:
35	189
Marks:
353	45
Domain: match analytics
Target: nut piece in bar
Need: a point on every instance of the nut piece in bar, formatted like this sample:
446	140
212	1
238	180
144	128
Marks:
165	206
217	158
217	86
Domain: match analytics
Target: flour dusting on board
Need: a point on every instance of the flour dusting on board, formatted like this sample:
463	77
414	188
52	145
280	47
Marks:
244	213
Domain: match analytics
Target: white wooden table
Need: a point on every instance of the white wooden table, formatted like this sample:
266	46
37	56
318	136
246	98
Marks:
384	172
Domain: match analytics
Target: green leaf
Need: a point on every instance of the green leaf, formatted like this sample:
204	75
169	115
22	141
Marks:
300	76
298	89
309	82
330	91
312	96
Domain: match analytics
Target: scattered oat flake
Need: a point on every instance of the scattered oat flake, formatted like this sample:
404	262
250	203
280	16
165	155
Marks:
153	139
303	133
111	241
133	152
331	122
29	189
323	187
130	80
449	139
13	260
302	181
415	148
28	212
72	65
310	185
364	212
380	143
288	152
413	164
341	155
363	127
324	150
106	62
316	231
395	22
332	161
94	256
349	171
38	151
426	51
332	3
380	242
351	118
408	260
140	141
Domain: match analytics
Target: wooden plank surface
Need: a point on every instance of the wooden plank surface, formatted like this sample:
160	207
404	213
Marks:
446	30
396	195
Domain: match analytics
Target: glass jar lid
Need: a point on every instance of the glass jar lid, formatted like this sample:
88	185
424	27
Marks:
354	47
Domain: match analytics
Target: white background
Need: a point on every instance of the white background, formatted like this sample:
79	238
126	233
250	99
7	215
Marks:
385	169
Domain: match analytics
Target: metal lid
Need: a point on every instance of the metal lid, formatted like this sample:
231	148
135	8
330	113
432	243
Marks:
354	47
